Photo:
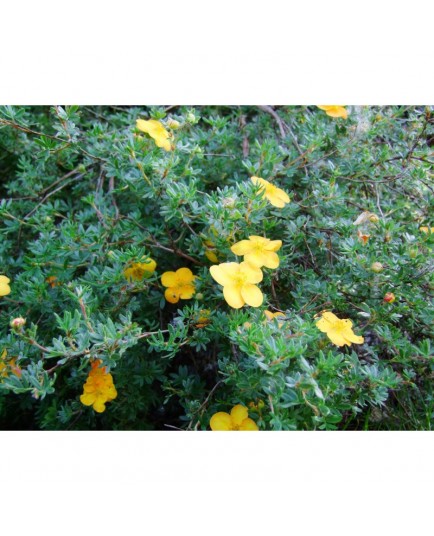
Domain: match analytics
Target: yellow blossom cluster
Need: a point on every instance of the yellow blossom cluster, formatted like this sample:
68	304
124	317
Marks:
99	388
239	280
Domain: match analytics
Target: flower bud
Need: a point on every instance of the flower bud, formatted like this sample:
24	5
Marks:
389	297
413	252
377	267
228	202
173	124
373	218
17	323
199	296
191	118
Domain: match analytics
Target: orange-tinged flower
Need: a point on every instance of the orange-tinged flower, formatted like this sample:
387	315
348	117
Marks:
389	297
259	251
140	270
157	132
338	330
277	197
334	110
180	284
363	237
426	230
238	419
5	289
239	283
52	281
99	388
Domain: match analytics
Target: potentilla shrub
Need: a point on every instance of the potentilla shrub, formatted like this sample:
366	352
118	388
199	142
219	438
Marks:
216	268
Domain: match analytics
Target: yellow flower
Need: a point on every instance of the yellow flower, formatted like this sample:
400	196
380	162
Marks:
8	366
238	419
277	197
99	388
179	283
5	289
334	110
239	283
271	316
259	251
211	251
427	230
339	331
140	270
157	132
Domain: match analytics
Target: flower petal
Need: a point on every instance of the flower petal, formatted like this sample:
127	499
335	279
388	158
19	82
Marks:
282	195
232	295
99	405
238	414
253	273
88	399
336	337
224	273
220	422
256	258
274	245
259	181
350	336
184	275
186	292
242	247
275	201
169	279
157	132
172	294
271	259
249	425
326	321
252	295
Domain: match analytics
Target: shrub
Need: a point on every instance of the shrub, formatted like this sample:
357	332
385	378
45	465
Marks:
120	310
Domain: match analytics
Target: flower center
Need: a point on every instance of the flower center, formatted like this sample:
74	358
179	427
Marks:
339	325
240	279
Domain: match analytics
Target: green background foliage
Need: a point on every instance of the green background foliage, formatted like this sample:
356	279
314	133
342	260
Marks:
83	193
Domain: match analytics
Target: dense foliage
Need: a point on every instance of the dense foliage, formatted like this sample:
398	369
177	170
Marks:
94	210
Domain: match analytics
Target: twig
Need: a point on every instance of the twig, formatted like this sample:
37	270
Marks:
50	194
